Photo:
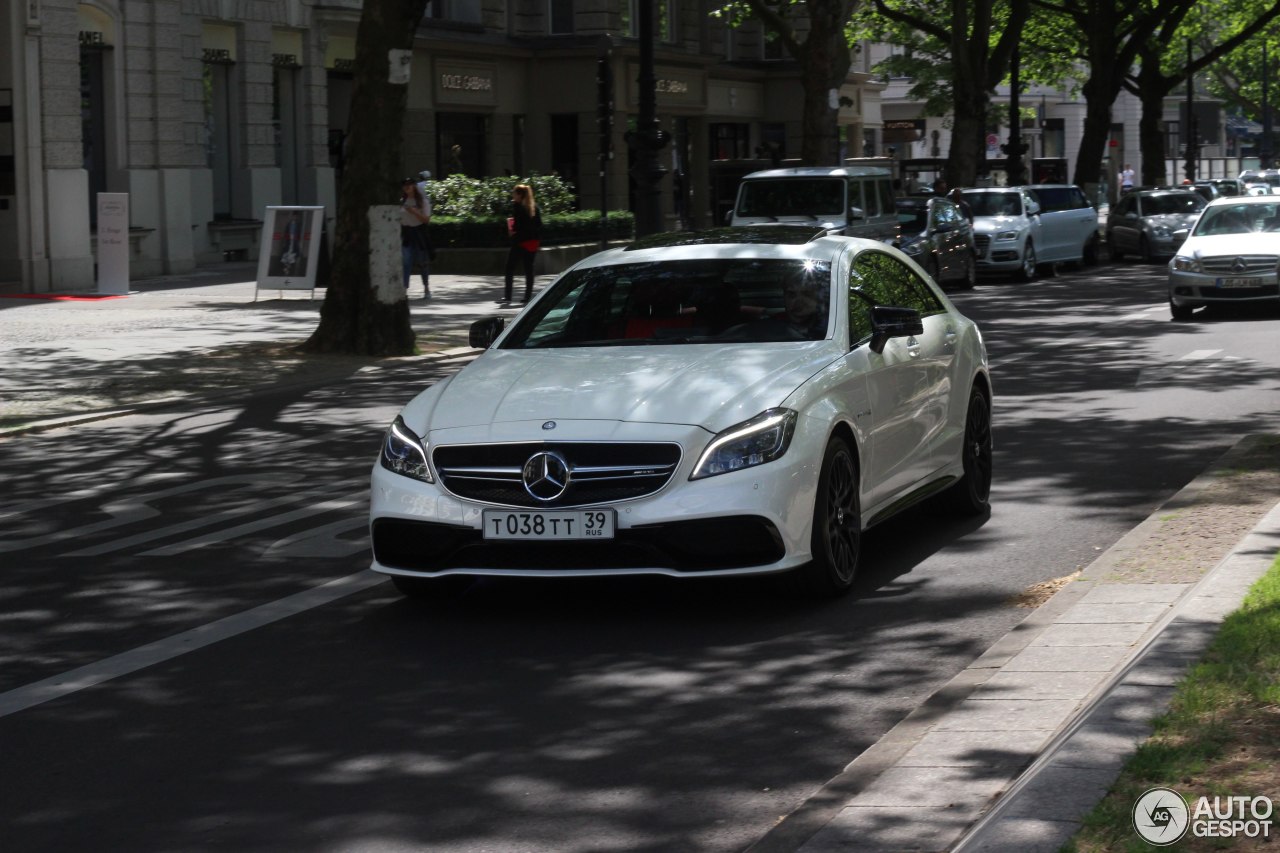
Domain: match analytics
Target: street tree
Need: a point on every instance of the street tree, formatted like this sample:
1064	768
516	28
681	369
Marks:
970	43
1108	37
356	317
814	33
1218	29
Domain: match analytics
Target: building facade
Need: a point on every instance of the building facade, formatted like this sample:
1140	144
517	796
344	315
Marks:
207	111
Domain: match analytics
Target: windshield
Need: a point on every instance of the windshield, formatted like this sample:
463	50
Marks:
995	204
1176	202
776	197
1239	219
680	302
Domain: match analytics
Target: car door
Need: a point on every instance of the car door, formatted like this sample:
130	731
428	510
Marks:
905	414
1122	224
1066	222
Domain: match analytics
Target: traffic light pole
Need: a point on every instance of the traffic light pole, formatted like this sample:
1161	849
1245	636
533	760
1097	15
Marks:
647	139
604	122
1015	168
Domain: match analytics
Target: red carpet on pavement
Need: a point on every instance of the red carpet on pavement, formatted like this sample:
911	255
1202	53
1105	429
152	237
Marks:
65	297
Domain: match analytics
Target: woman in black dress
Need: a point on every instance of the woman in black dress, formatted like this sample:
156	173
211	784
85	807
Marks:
525	227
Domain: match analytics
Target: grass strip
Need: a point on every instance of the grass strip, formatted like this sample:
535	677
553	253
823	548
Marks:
1220	736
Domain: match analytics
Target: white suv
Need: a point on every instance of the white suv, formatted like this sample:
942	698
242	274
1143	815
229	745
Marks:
1006	230
1068	224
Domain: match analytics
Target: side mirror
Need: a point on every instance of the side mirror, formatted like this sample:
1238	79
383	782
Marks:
728	216
856	213
891	322
485	332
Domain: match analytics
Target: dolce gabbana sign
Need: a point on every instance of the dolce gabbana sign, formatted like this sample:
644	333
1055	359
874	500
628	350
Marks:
465	83
674	87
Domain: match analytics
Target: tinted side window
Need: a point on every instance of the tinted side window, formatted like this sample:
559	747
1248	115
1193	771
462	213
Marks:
886	281
871	202
1054	198
885	186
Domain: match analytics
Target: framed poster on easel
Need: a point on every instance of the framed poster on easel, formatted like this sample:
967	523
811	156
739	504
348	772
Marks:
289	252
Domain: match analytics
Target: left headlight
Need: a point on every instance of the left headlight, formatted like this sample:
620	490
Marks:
404	453
1007	235
762	439
1182	263
1164	232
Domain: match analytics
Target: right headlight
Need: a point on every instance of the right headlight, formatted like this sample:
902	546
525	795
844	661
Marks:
404	453
761	439
1181	263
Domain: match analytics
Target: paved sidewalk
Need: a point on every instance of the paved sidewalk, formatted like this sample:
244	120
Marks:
1006	757
200	333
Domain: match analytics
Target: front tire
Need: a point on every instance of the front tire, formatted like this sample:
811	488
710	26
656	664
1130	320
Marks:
972	494
970	280
1144	249
1028	269
1091	251
836	542
1181	313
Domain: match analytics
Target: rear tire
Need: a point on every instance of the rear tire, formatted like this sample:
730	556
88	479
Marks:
836	542
972	494
1144	249
432	589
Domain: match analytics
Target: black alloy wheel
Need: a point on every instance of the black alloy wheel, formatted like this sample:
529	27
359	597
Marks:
972	494
1028	269
837	526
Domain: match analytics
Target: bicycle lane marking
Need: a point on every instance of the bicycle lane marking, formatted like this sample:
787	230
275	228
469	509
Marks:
160	651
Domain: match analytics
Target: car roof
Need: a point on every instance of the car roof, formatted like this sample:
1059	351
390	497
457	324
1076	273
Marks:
820	172
1228	200
778	235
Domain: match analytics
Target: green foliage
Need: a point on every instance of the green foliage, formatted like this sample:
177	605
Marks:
490	232
459	195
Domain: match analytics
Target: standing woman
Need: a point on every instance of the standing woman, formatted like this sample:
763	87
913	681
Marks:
525	227
415	213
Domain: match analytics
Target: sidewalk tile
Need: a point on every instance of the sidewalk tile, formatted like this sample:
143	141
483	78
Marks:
1062	793
1025	835
1007	715
1107	614
1039	685
977	748
890	830
1075	634
1135	593
1067	659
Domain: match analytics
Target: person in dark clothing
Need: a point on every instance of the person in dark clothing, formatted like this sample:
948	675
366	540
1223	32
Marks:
524	226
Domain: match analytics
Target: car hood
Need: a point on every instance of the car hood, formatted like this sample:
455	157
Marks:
993	224
708	386
1172	220
1231	245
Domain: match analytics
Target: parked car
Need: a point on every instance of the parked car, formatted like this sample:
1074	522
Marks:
731	402
1006	230
1228	186
856	201
939	237
1151	223
1068	224
1230	256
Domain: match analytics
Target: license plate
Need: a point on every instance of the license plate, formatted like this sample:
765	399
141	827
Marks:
553	526
1239	282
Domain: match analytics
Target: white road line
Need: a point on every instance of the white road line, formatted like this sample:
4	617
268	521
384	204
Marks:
261	524
126	663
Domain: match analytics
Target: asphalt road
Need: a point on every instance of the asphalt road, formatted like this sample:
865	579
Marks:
167	682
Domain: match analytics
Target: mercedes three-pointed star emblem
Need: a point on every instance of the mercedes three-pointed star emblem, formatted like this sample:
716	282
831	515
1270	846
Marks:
546	475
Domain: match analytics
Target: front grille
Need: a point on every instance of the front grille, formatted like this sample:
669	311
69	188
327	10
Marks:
599	472
1225	264
683	546
983	242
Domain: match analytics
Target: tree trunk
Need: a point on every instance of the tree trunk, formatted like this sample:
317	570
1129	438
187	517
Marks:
968	133
824	65
1152	88
353	320
1100	93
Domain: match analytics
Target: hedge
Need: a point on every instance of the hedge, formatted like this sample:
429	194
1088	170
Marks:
558	229
471	213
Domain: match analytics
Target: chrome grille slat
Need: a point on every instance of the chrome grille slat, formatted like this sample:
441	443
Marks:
600	471
1253	264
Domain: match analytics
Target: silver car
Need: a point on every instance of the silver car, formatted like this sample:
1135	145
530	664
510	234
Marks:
1151	223
1230	256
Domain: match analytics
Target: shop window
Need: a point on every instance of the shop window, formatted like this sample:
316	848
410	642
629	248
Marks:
461	11
663	25
560	17
730	141
93	132
284	122
218	133
461	144
564	146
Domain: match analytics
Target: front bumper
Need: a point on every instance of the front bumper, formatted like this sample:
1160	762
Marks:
1195	289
